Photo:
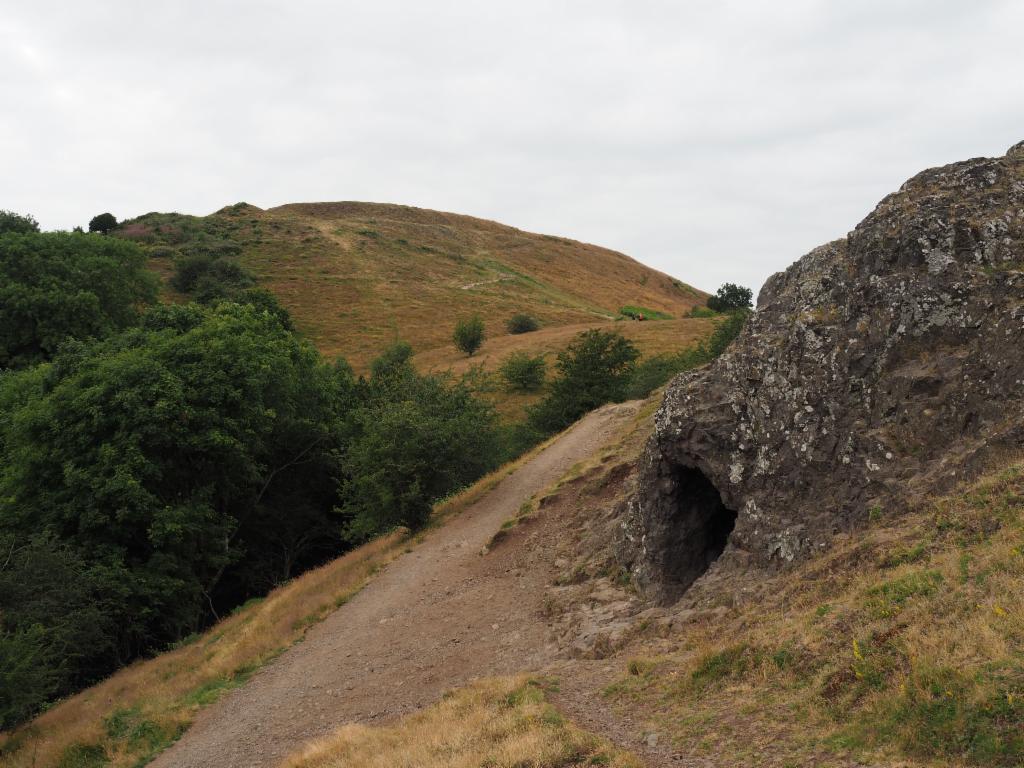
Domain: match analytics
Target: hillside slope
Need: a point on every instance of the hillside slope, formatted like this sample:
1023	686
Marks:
356	276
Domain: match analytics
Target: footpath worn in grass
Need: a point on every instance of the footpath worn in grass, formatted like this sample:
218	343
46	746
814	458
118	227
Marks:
903	645
497	723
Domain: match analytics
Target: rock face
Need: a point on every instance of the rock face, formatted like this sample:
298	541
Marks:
875	369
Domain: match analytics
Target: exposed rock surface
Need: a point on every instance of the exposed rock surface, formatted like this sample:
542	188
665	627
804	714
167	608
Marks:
876	368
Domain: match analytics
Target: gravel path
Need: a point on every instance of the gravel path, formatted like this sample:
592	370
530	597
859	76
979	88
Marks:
434	619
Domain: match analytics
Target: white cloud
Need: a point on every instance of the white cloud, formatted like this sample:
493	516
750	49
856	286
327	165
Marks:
714	140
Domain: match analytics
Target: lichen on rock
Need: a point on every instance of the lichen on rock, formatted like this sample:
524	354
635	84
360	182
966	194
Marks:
877	368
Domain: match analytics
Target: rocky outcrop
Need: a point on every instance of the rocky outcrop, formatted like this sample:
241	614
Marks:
876	368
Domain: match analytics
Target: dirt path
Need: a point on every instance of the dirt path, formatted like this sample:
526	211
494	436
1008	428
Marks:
436	618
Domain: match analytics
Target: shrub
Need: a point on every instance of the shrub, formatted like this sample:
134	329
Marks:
416	439
207	276
731	296
103	223
653	372
29	674
727	329
16	223
594	369
522	323
523	373
469	334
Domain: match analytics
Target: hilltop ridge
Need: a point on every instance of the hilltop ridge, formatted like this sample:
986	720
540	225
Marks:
355	276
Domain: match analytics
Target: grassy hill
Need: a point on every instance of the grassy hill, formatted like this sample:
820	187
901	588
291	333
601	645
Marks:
357	276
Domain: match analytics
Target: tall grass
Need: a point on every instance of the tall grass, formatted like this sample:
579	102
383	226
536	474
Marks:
502	722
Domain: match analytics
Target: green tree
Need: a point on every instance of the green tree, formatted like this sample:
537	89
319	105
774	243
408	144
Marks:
190	463
416	439
731	296
29	674
469	334
596	368
102	223
53	629
523	372
60	286
522	323
17	223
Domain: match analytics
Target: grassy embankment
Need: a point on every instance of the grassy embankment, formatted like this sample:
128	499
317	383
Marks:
904	643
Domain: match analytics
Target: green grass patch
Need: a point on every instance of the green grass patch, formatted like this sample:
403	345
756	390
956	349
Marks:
943	714
888	598
635	312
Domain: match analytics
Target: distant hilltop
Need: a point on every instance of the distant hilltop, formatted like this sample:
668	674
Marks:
356	276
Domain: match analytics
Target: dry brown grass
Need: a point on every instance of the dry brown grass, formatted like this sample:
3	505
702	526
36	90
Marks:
357	276
499	723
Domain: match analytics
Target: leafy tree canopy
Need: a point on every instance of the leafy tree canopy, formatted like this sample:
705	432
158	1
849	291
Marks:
189	462
102	223
416	439
731	296
523	372
60	286
594	369
17	223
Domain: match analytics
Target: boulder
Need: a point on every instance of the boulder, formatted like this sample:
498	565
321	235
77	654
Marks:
877	368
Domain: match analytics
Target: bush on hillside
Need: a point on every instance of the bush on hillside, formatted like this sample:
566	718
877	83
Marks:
17	223
207	276
594	369
469	334
731	297
656	371
103	223
523	372
521	323
416	439
60	286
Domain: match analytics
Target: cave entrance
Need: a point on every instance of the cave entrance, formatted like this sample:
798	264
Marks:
700	527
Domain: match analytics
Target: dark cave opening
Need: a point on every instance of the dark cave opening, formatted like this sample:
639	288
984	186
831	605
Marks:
700	527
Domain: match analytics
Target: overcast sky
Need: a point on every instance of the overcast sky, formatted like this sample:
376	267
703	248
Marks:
713	140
